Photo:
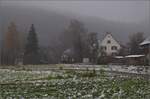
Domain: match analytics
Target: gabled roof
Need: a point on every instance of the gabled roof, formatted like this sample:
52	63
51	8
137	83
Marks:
109	33
146	41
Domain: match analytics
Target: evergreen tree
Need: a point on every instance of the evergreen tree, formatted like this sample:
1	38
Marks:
134	41
31	54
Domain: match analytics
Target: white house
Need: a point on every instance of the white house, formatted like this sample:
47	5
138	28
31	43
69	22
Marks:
109	45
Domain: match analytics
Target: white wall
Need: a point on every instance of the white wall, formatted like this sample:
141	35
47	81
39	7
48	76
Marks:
108	46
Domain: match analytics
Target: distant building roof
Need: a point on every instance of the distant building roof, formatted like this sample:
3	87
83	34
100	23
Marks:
146	41
69	52
134	56
106	34
119	57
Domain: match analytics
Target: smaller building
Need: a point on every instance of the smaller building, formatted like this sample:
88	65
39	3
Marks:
109	45
86	60
67	56
145	45
130	60
135	59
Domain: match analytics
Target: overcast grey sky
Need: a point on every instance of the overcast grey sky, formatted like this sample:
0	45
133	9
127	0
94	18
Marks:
124	11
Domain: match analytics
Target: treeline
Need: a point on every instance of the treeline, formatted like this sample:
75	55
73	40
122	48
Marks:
16	48
20	49
80	42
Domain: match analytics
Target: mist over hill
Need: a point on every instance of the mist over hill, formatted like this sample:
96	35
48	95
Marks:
49	24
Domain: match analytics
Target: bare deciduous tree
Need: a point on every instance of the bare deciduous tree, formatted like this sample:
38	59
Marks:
134	41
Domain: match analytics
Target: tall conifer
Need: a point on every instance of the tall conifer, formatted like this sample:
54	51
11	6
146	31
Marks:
31	54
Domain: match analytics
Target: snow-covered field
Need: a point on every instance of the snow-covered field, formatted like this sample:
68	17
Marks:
9	76
119	68
71	82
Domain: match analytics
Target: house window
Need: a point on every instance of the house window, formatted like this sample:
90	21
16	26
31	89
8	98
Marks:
114	48
108	42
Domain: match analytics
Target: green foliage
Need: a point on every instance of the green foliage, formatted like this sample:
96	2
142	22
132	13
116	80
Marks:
79	88
86	74
87	69
60	68
75	85
55	77
102	73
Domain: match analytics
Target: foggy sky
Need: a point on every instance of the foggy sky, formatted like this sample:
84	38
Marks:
123	11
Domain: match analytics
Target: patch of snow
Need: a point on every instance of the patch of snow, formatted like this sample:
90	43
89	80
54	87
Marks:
134	56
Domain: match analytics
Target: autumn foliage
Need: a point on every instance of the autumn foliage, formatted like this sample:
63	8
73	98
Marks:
11	45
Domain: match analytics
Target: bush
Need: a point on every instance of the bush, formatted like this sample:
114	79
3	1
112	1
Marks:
60	68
